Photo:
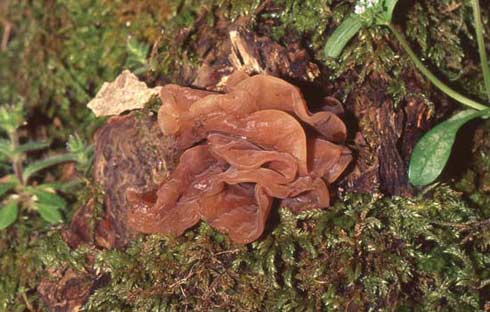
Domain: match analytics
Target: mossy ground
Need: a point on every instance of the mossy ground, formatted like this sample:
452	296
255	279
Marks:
367	252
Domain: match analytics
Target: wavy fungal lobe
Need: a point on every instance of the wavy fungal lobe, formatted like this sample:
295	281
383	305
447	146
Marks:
241	150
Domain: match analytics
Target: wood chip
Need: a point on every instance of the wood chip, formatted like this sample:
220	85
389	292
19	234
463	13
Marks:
125	93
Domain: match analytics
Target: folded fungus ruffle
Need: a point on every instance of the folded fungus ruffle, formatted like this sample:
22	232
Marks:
242	149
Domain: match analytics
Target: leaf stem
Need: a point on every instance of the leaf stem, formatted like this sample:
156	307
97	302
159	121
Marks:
481	45
427	73
17	160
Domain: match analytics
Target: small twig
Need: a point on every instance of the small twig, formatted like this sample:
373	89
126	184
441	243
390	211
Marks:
226	252
262	6
182	281
28	304
465	226
183	292
7	29
452	7
154	49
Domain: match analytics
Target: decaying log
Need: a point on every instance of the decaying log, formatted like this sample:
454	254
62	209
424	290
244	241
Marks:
382	139
130	152
385	135
67	289
81	229
241	49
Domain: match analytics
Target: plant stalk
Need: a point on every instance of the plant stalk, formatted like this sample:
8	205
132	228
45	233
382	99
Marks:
429	75
481	45
16	162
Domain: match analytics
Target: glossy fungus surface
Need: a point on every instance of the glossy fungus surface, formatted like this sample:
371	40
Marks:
241	150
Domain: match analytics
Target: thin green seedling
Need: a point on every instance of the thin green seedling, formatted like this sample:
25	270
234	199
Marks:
19	189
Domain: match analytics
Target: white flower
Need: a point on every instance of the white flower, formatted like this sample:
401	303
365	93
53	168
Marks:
363	5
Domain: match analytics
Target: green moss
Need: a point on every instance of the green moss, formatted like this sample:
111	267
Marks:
366	252
20	266
306	19
476	180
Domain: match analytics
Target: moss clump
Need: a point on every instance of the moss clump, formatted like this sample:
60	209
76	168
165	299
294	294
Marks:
366	252
476	180
301	19
20	267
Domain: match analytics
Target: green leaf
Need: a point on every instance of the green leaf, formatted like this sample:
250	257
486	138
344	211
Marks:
31	146
11	117
48	203
432	152
342	35
47	197
388	9
8	214
64	186
49	213
137	53
6	186
83	152
5	148
46	163
75	144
